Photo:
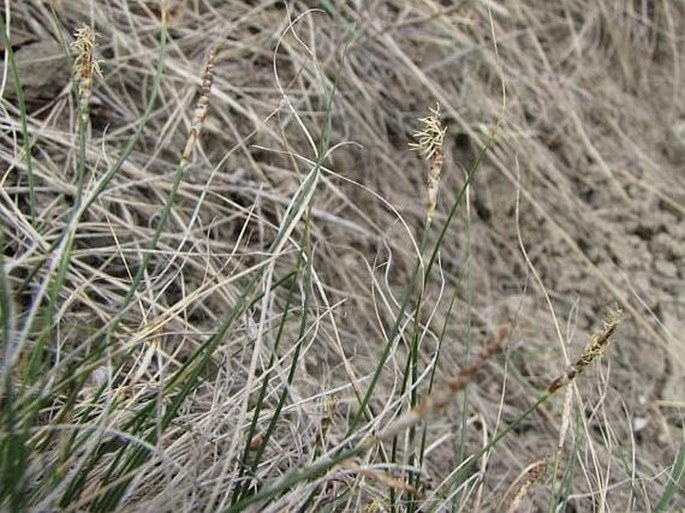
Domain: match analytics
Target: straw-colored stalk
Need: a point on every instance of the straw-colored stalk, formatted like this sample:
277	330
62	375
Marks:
429	144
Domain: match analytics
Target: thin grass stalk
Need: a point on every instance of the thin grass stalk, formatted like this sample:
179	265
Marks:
394	331
188	375
61	277
55	476
14	450
97	190
75	486
413	353
241	489
326	422
14	457
198	120
36	362
296	210
23	116
292	478
409	380
430	144
599	343
413	384
35	371
7	317
306	255
465	467
675	483
319	468
85	70
80	481
416	481
212	342
562	487
75	377
431	379
430	151
308	291
78	478
411	376
469	348
393	334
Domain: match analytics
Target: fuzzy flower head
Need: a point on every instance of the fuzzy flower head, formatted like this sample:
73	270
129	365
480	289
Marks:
429	144
85	64
429	140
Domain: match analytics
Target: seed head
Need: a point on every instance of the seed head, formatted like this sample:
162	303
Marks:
599	342
429	144
429	140
85	65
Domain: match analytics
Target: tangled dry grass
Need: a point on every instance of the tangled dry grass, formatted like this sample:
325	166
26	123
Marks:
220	291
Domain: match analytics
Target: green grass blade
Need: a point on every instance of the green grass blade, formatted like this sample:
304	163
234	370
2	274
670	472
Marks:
23	113
676	482
409	292
252	431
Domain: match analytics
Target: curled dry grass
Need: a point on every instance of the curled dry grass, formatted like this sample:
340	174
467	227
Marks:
188	322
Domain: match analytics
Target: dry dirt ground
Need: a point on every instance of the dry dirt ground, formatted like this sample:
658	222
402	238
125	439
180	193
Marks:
578	206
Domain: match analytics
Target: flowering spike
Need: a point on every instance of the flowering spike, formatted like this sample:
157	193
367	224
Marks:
429	144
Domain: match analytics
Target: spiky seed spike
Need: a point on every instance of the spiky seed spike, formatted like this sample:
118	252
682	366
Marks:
600	341
86	67
200	112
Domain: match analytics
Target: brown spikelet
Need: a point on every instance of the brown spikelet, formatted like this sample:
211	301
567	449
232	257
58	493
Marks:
438	400
518	489
166	11
598	345
200	112
326	421
256	442
86	67
384	478
494	345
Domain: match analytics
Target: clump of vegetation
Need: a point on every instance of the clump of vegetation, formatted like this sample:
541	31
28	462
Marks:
227	283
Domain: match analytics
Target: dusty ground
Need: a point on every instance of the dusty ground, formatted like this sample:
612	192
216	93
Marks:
586	174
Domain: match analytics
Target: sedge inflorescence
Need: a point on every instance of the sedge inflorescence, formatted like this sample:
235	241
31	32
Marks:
429	144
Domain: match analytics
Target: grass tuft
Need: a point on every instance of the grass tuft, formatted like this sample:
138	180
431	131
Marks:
221	288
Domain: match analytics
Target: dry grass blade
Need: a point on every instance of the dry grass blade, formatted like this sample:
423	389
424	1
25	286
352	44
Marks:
438	400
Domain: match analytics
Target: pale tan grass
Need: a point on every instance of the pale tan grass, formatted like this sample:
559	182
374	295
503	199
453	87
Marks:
588	102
